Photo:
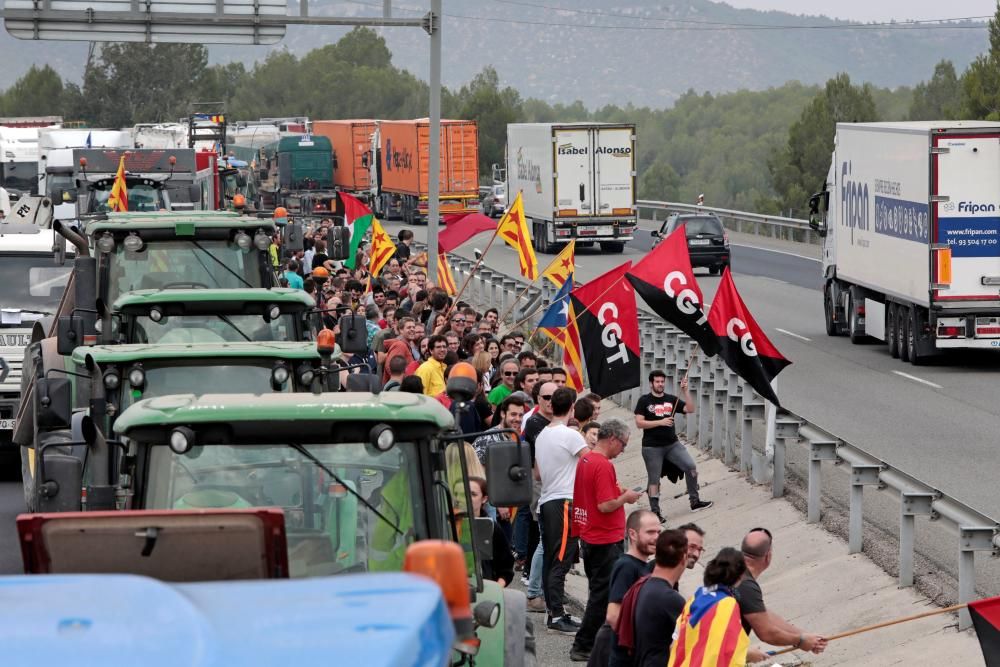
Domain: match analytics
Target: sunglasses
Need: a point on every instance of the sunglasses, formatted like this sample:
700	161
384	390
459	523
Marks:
509	373
546	397
459	320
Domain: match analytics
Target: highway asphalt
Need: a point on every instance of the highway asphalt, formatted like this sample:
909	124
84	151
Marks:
937	422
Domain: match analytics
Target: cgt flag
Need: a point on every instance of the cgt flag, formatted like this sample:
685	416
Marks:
665	281
986	620
741	342
607	319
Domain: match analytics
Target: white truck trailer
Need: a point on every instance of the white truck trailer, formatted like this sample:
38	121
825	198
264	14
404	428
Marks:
911	217
19	161
577	181
56	167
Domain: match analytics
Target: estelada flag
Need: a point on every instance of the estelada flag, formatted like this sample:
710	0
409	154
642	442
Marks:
561	268
513	229
460	227
665	281
118	199
382	248
986	620
741	342
607	318
708	632
446	280
559	324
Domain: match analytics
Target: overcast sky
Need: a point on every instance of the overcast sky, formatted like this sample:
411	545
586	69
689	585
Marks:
876	10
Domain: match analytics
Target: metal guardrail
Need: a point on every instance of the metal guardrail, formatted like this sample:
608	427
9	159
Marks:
723	425
775	226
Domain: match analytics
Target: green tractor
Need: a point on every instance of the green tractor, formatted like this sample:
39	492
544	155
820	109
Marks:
359	478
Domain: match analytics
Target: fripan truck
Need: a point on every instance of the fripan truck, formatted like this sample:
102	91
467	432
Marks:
911	218
577	181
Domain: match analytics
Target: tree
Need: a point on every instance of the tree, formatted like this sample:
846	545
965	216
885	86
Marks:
937	99
482	99
981	81
38	93
800	168
142	83
659	182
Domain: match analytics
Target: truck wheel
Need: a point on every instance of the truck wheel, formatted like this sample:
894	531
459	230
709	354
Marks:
912	338
829	308
613	247
518	631
854	327
903	315
891	330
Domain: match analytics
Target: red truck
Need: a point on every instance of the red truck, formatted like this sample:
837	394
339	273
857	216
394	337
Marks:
399	179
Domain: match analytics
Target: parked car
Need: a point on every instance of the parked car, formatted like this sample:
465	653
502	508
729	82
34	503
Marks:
707	240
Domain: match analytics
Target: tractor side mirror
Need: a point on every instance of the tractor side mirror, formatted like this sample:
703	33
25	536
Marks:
338	243
508	473
293	237
69	334
60	481
353	334
53	403
194	192
482	537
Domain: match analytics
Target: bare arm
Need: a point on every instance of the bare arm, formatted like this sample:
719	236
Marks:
773	629
627	497
614	608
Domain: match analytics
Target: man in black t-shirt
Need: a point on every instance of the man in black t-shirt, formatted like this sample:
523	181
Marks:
654	414
642	527
658	604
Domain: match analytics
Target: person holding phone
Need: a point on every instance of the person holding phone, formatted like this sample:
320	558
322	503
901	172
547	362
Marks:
599	520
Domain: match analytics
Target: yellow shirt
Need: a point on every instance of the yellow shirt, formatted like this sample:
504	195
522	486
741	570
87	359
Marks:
431	373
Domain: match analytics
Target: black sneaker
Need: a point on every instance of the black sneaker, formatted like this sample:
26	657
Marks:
662	518
579	655
699	505
563	626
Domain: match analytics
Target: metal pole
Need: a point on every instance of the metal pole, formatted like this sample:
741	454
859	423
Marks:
433	182
387	9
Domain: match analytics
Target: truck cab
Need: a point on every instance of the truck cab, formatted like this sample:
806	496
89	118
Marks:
56	167
157	179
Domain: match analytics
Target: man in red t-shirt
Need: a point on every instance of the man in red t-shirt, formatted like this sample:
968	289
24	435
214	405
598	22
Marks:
599	520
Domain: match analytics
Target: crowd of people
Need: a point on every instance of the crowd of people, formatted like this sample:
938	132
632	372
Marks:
417	332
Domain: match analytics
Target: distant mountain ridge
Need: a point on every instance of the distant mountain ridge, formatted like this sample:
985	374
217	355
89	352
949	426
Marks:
550	57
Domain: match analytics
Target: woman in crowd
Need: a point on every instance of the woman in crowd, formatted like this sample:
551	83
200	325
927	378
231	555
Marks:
499	568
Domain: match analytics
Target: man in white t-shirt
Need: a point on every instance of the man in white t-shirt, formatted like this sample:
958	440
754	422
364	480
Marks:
556	452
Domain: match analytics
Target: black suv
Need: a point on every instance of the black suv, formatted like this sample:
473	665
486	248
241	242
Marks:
708	243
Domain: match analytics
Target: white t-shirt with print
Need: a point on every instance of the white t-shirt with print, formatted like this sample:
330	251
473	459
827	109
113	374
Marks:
555	453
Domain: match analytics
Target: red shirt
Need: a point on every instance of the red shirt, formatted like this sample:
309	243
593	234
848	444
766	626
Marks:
596	483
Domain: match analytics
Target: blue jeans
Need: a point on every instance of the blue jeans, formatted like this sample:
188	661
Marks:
535	580
522	524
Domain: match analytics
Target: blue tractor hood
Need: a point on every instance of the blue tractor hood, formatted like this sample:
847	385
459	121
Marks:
365	619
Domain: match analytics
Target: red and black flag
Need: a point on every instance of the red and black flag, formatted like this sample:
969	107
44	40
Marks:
986	619
741	342
665	281
607	319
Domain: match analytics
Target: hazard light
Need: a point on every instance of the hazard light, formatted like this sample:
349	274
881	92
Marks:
444	563
942	267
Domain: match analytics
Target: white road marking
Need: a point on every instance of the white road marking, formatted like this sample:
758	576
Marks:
916	379
794	335
780	252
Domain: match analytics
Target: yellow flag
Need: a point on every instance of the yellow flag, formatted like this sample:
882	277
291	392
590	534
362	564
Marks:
513	229
382	248
561	267
118	199
446	279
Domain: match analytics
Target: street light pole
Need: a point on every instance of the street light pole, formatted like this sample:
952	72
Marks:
387	9
434	169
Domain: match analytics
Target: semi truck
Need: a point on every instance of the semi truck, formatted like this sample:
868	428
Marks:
351	141
399	169
56	166
911	236
297	173
577	181
157	179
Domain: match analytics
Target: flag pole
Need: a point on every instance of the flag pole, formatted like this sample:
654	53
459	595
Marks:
575	317
473	270
513	304
884	624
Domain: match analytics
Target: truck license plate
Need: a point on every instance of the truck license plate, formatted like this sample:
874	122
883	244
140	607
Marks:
6	424
699	241
606	230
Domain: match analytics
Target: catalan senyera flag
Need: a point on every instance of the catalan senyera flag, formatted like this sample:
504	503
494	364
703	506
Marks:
513	229
382	248
559	324
446	280
561	268
118	199
709	632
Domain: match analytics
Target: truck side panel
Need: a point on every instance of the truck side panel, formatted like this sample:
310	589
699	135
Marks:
529	168
880	213
405	147
351	140
969	221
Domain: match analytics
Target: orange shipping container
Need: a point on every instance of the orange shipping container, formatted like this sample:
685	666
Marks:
405	148
351	141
